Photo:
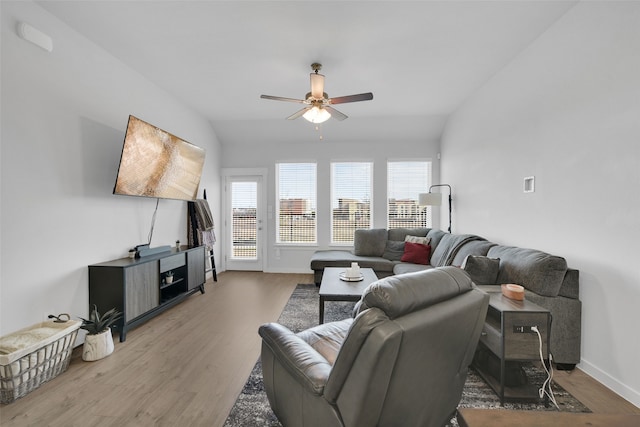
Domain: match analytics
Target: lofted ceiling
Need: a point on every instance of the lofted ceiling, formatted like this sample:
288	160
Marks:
421	59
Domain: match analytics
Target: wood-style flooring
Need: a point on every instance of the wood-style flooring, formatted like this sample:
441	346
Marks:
187	366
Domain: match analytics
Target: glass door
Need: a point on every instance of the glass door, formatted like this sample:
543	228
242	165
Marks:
244	223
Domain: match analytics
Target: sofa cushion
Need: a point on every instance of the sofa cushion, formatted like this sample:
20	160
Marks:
417	239
371	242
483	270
416	253
570	285
435	236
408	267
440	251
337	258
393	251
537	271
449	246
399	234
474	247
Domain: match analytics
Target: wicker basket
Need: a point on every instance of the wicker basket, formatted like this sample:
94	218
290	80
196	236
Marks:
34	355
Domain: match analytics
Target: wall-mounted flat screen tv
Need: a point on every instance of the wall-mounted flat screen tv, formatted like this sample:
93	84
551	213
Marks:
155	163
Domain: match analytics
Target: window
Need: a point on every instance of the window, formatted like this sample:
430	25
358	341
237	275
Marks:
405	181
244	196
350	199
296	203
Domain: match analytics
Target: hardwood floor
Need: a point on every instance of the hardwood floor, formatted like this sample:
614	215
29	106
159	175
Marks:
595	396
187	366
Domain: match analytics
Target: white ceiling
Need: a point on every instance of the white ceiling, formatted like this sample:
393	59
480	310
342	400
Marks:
421	59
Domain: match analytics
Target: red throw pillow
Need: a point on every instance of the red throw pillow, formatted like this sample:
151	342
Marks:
416	253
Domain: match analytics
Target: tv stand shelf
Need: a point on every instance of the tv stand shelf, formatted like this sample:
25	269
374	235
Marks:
168	285
139	287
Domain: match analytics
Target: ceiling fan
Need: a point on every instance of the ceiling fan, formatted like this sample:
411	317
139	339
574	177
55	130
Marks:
318	104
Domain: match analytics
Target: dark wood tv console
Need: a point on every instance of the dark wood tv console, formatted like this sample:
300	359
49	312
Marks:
139	287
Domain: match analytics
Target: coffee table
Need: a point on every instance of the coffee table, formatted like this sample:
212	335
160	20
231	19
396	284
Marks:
332	288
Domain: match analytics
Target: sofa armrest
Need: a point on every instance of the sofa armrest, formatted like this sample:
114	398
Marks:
301	360
570	287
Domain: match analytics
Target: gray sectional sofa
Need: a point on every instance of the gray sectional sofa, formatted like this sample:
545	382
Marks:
547	279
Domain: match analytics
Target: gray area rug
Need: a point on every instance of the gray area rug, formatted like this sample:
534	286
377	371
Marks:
301	312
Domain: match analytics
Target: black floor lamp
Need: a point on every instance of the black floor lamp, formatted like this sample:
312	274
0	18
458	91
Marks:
435	199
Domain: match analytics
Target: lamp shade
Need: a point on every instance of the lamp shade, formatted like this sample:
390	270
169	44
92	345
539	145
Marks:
317	115
317	85
430	199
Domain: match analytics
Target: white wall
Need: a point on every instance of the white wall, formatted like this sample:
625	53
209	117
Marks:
64	115
288	259
566	110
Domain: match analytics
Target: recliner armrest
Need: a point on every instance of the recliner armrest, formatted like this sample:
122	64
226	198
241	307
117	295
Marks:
301	360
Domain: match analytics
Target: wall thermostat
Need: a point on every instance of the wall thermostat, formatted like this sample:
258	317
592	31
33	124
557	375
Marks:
529	184
35	36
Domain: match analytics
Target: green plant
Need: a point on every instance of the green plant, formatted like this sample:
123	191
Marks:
169	273
96	324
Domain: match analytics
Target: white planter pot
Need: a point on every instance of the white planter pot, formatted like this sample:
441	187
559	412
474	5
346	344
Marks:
98	346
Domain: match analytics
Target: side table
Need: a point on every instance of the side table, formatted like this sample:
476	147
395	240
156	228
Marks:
508	334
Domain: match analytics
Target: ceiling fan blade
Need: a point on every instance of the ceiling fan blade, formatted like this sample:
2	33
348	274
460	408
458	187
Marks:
335	113
279	98
352	98
298	113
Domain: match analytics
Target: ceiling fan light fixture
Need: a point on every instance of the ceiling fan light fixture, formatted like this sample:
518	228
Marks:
319	107
317	115
317	85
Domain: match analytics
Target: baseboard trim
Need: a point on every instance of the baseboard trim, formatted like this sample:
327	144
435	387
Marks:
622	390
288	270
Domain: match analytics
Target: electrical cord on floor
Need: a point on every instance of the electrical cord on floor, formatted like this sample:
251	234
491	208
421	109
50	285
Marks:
547	383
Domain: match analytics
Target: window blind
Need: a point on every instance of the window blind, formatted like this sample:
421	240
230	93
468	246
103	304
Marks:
296	203
405	181
351	185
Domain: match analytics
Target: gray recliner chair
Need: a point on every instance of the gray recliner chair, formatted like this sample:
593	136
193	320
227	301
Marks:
402	361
